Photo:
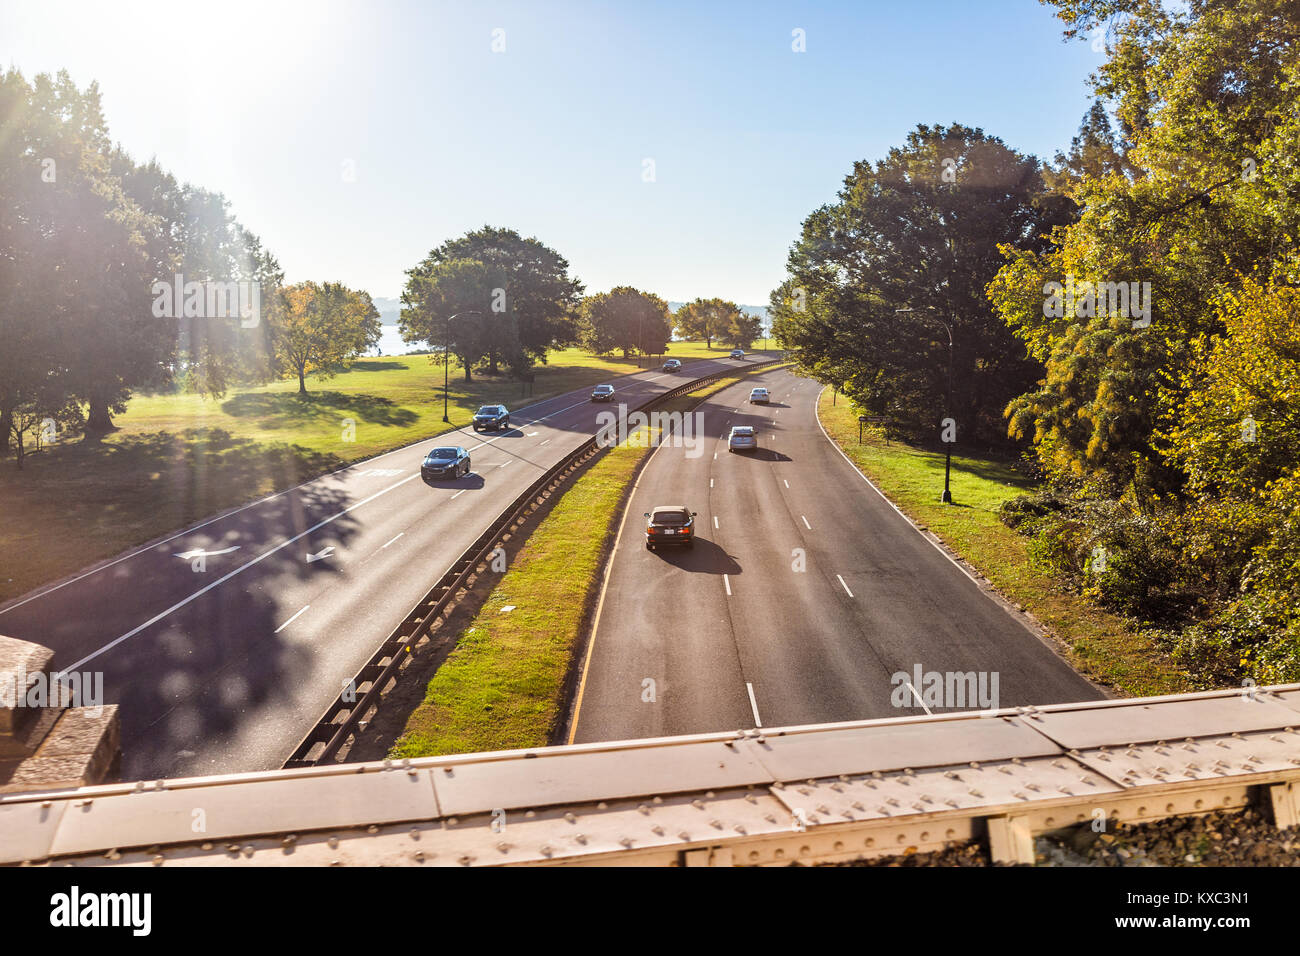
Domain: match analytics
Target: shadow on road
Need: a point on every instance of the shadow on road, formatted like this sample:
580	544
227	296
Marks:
704	558
762	454
472	480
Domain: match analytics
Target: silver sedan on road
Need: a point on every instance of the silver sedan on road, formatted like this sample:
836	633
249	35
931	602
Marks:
742	438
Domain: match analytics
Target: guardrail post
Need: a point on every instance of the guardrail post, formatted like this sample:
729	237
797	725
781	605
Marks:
1010	840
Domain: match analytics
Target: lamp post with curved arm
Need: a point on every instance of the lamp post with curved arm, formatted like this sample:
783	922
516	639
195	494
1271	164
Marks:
446	360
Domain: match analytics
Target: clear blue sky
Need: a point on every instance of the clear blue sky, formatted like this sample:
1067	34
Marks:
265	101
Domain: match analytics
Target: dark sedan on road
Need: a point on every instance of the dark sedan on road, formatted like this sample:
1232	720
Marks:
672	365
602	393
449	462
737	353
670	524
489	418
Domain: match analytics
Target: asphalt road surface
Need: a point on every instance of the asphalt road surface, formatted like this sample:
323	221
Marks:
222	645
803	597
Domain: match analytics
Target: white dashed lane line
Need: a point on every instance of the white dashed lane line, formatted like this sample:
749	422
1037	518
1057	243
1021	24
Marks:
845	587
805	523
726	582
291	620
753	704
387	543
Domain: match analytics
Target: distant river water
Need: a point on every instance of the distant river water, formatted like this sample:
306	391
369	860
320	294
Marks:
390	342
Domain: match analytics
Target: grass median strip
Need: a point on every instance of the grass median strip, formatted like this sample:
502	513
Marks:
503	687
1097	643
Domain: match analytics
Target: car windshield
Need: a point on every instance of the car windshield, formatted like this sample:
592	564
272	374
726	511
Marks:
490	410
443	454
670	517
604	388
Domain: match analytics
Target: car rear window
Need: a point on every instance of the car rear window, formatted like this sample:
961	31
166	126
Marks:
745	431
677	518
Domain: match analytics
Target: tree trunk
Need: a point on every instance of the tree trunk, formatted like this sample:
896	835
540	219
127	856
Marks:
6	426
98	420
302	382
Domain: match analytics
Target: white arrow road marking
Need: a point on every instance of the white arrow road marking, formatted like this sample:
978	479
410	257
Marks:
199	552
291	620
323	553
230	574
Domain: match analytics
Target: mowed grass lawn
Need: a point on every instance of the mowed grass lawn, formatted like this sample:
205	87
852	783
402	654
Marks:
177	459
1095	642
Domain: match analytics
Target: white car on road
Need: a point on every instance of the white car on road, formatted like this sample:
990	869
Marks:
742	438
759	396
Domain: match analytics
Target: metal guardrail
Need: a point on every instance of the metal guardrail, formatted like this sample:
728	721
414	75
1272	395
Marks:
362	695
821	793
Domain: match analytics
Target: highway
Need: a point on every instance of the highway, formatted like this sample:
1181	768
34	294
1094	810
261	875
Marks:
223	644
805	593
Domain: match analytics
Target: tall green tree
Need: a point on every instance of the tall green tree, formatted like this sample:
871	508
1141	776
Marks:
908	248
453	306
1203	192
706	319
322	328
534	298
627	319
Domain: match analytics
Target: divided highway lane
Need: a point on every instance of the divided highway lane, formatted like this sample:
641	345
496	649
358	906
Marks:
802	597
223	644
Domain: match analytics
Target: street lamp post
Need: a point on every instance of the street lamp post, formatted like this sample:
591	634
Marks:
947	410
446	360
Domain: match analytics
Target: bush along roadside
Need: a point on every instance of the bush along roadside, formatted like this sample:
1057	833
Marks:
1034	577
505	685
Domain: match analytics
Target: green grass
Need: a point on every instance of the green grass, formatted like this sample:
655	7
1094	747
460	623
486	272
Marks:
1097	643
177	459
502	687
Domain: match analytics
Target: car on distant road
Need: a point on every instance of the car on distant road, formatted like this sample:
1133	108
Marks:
451	461
737	353
759	396
672	365
742	438
602	393
491	418
670	524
